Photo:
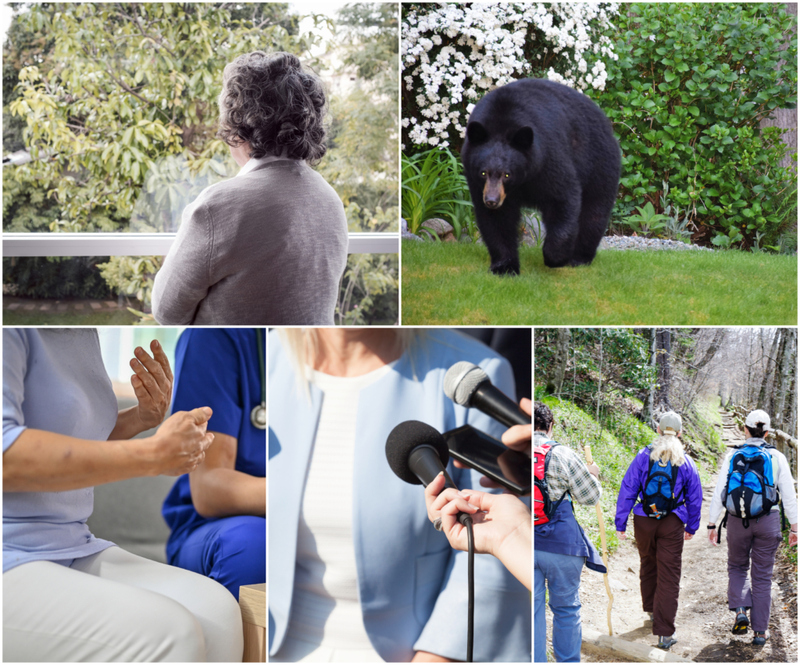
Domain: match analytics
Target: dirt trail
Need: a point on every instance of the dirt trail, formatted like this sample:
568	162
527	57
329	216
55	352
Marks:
703	621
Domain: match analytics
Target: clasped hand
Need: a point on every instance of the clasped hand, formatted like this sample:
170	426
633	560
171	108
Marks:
180	443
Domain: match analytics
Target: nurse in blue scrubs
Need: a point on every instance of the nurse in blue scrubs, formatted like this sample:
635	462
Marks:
217	512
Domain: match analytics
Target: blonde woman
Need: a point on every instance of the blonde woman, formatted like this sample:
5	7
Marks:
357	573
667	481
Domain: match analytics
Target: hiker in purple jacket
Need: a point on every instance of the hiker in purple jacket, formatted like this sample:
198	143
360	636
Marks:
661	524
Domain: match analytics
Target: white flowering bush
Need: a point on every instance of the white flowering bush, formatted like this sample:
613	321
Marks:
453	54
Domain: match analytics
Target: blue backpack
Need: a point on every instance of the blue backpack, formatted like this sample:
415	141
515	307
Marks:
750	489
658	493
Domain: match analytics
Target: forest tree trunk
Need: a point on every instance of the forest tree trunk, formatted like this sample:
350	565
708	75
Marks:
784	380
562	356
761	402
663	375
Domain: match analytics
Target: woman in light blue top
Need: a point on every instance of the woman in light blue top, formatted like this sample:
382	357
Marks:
351	549
68	596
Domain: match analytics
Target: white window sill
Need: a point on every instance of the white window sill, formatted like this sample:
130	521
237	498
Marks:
149	244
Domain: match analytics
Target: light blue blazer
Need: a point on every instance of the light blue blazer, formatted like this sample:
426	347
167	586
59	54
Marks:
412	584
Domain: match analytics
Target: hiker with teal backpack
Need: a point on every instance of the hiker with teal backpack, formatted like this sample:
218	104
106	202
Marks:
665	478
560	546
754	480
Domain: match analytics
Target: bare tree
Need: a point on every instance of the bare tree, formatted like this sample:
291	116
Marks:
785	377
563	339
663	373
762	399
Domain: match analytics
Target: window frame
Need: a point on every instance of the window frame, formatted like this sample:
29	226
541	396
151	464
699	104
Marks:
150	244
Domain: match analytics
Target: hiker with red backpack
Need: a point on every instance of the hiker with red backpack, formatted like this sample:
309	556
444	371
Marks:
667	481
560	547
754	480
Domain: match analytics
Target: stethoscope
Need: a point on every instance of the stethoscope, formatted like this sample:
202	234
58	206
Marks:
258	416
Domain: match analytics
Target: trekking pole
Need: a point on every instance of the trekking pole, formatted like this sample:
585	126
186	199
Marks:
588	452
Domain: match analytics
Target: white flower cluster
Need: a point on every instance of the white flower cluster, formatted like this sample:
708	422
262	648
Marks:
484	47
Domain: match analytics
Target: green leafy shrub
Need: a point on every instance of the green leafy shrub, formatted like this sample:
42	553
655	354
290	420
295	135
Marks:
692	84
368	295
131	275
48	277
646	220
433	186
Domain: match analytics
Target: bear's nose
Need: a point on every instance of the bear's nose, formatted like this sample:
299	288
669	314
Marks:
491	202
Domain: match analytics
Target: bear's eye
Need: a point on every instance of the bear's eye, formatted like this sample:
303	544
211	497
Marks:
483	174
507	175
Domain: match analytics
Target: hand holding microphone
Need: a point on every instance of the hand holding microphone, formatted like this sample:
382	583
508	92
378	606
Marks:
519	437
418	454
502	524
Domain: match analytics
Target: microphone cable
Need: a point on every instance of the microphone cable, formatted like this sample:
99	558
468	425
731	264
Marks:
417	453
470	587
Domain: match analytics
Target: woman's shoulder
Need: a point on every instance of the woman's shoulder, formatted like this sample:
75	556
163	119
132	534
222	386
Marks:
457	345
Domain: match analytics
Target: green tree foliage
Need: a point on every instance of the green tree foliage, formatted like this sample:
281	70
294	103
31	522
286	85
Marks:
128	85
623	360
47	277
26	204
692	84
362	160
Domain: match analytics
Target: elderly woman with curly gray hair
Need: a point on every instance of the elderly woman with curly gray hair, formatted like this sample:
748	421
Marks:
269	246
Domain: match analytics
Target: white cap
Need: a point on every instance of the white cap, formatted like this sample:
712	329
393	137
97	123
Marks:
758	416
670	421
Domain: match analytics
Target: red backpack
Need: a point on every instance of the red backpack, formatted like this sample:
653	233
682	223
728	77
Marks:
543	507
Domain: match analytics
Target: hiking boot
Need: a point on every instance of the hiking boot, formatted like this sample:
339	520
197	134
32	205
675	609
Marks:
666	641
650	617
760	639
741	624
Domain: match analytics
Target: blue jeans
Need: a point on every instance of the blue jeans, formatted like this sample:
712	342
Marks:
230	550
562	575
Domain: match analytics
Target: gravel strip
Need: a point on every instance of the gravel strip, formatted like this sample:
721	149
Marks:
643	244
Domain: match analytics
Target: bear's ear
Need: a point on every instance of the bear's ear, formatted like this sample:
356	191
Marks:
522	139
476	133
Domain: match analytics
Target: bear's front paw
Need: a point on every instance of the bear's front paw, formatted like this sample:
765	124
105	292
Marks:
505	268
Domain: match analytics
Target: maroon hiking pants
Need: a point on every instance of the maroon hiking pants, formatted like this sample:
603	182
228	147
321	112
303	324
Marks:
660	544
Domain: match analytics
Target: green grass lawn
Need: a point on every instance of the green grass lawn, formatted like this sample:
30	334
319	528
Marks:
449	283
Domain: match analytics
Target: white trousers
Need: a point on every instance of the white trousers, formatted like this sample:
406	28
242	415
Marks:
115	606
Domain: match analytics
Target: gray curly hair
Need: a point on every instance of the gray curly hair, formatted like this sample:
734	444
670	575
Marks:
272	103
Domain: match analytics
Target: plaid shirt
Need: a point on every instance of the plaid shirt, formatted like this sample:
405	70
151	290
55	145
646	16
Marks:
566	473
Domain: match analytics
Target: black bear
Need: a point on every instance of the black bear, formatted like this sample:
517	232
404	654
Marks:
539	144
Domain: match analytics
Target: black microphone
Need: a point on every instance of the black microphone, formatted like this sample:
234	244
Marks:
417	453
468	385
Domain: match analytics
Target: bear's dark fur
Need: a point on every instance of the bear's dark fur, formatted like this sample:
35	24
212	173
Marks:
539	144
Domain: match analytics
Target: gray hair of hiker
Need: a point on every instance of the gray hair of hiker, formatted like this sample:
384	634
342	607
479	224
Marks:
271	102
